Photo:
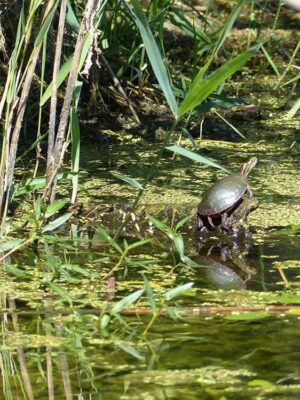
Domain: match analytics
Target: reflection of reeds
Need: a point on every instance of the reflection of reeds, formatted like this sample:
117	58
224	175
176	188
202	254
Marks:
49	372
7	367
64	367
21	354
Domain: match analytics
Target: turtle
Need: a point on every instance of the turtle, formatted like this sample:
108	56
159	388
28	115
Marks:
224	196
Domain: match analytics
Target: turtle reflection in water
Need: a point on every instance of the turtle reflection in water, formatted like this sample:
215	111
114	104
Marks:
227	269
228	202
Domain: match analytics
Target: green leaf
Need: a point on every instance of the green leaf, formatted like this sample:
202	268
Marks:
71	18
62	74
161	226
261	383
129	180
85	48
190	137
182	22
32	184
183	221
10	87
62	292
291	113
105	320
178	290
10	244
271	62
105	236
54	207
127	301
285	298
19	273
66	67
57	222
202	88
154	55
193	156
179	244
138	244
75	268
248	316
130	350
228	25
150	294
45	27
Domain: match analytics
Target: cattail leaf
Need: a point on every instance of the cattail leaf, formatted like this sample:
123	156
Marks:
202	88
154	55
193	156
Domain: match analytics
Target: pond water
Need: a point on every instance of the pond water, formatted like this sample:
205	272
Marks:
233	335
49	347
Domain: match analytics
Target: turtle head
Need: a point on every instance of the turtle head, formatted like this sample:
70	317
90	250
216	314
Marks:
246	168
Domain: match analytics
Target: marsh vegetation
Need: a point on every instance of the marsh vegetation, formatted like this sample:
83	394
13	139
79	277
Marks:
116	118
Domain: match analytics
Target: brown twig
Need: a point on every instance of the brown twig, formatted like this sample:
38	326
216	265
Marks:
120	88
196	310
53	104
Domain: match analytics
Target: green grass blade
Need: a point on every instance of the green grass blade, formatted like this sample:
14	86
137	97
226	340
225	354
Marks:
31	184
229	124
61	292
179	19
294	109
129	180
127	348
161	226
193	156
57	222
17	272
55	207
150	294
271	62
178	290
45	27
10	244
154	55
65	69
138	244
72	21
221	38
127	301
107	238
63	73
228	25
179	244
202	88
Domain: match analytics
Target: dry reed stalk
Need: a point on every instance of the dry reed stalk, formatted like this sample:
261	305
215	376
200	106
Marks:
87	24
56	66
8	171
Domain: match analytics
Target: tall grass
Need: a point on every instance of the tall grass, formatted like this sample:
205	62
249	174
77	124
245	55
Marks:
62	47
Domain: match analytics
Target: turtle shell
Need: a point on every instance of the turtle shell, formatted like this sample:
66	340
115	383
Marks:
223	195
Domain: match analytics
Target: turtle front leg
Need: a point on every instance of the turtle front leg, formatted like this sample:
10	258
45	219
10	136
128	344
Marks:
225	221
250	193
199	223
211	222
